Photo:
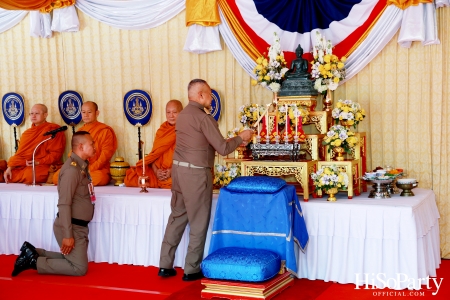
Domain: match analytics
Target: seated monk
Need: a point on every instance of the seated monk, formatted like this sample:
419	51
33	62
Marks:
47	156
105	144
158	164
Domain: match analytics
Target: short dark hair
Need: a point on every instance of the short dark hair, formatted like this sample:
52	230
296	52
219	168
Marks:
195	82
77	136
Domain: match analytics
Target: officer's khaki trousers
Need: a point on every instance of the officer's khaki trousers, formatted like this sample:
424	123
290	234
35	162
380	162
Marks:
191	202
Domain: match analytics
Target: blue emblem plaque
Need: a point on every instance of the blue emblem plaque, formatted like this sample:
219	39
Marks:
69	104
216	106
13	109
137	106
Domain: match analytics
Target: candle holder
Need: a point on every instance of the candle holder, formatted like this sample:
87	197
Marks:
286	139
277	139
267	139
143	183
295	139
258	139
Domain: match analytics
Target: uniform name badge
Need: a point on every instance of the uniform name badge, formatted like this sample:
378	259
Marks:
91	192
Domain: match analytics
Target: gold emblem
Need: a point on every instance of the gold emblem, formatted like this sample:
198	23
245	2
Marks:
73	164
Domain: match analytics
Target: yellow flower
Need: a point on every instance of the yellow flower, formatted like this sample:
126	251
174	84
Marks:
351	122
340	65
327	67
259	60
343	59
333	67
327	58
334	58
260	78
267	77
327	171
339	104
336	80
265	62
259	67
254	82
337	142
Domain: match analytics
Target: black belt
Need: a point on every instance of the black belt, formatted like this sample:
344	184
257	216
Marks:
78	221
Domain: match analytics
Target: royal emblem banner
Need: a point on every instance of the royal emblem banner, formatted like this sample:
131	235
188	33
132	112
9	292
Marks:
69	104
13	108
137	106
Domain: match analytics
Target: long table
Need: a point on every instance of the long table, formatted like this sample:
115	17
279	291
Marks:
347	239
127	228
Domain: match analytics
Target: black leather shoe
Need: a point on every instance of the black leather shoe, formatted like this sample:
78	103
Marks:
167	272
26	260
26	246
193	276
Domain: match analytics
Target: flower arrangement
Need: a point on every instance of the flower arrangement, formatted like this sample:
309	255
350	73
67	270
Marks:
270	71
248	114
339	136
294	112
349	111
329	177
223	174
327	69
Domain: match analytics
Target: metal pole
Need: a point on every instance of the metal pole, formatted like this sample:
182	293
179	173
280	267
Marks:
139	144
32	162
15	139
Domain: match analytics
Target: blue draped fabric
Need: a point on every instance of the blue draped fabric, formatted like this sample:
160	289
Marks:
260	221
304	15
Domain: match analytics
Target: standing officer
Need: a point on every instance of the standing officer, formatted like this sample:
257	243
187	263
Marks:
76	209
197	139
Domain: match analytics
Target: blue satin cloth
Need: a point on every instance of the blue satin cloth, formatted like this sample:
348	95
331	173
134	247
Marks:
271	221
232	263
304	15
256	184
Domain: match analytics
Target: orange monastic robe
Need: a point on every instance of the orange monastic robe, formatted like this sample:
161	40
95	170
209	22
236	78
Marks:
105	146
3	167
161	156
49	153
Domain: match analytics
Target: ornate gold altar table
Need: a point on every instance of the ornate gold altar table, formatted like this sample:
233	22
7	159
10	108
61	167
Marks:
300	169
352	169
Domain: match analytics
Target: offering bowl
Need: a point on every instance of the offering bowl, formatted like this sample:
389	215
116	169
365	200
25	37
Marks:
406	186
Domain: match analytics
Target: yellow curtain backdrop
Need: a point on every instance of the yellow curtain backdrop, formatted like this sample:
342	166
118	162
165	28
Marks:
24	4
404	91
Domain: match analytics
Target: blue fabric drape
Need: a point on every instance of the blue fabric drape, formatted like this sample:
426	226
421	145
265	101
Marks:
304	15
260	221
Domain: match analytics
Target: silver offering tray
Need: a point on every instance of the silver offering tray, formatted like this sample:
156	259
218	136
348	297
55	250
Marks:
382	188
260	150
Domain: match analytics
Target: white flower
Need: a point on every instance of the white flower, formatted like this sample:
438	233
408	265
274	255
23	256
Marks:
274	87
332	86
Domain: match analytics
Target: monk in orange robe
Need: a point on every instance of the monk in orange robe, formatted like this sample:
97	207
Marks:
105	144
158	163
47	156
3	167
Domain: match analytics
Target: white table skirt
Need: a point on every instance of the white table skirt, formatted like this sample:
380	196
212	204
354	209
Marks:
348	237
128	227
363	236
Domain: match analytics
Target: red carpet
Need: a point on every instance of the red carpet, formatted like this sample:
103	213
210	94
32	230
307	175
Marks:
112	281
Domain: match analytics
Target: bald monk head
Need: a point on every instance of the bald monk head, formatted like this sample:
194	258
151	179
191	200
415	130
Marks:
38	114
83	145
200	92
89	112
173	108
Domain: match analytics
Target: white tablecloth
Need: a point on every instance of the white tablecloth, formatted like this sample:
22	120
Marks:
349	237
363	236
128	226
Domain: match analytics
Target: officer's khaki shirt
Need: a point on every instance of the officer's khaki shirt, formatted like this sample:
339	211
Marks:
74	200
198	137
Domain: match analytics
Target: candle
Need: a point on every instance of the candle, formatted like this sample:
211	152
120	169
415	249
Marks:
143	159
286	122
267	119
296	126
257	109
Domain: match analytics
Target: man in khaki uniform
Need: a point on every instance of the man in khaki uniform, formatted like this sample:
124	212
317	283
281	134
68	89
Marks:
197	139
76	209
